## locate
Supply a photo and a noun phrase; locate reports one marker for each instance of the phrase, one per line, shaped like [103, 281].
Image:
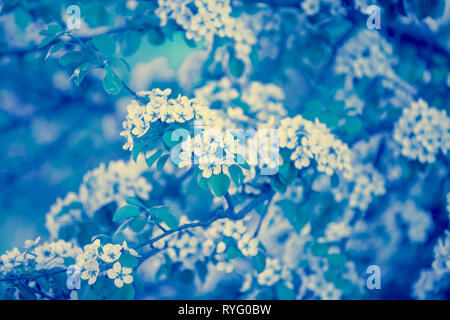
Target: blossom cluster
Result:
[436, 278]
[367, 54]
[422, 132]
[107, 183]
[205, 19]
[209, 18]
[265, 101]
[217, 91]
[98, 259]
[214, 153]
[163, 109]
[314, 141]
[35, 256]
[365, 184]
[418, 221]
[302, 268]
[214, 244]
[226, 247]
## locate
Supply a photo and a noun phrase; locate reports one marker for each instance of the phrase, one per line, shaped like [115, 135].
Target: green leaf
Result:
[22, 18]
[126, 292]
[261, 208]
[134, 201]
[102, 289]
[138, 223]
[277, 184]
[335, 180]
[264, 294]
[163, 214]
[237, 67]
[103, 216]
[259, 261]
[125, 63]
[167, 138]
[152, 159]
[80, 73]
[155, 36]
[97, 16]
[105, 44]
[162, 161]
[47, 40]
[138, 147]
[71, 57]
[203, 182]
[125, 213]
[54, 48]
[296, 215]
[112, 83]
[219, 184]
[128, 261]
[284, 293]
[319, 249]
[336, 260]
[337, 29]
[232, 252]
[287, 173]
[131, 43]
[353, 125]
[137, 281]
[52, 29]
[236, 174]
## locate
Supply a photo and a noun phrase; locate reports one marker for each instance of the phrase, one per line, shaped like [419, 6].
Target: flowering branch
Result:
[266, 194]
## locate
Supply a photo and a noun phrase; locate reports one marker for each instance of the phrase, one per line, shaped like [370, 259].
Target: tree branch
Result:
[218, 213]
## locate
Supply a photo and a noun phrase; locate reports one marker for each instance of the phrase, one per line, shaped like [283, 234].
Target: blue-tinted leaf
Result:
[259, 262]
[54, 48]
[284, 293]
[128, 261]
[22, 18]
[164, 214]
[237, 67]
[112, 83]
[236, 174]
[126, 292]
[162, 161]
[155, 36]
[105, 44]
[47, 40]
[52, 29]
[152, 159]
[219, 184]
[125, 213]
